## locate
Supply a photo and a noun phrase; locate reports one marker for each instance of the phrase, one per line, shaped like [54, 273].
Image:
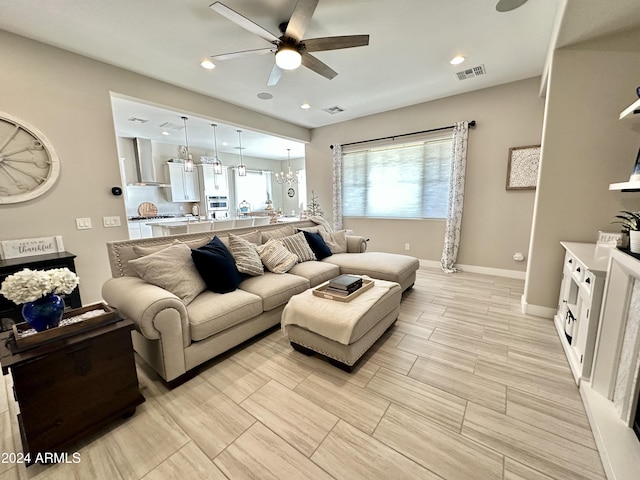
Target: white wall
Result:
[496, 222]
[67, 97]
[585, 148]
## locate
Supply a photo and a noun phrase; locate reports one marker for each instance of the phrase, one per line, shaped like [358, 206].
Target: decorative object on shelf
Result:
[28, 247]
[242, 168]
[289, 178]
[631, 224]
[612, 239]
[522, 169]
[635, 175]
[30, 165]
[244, 207]
[38, 290]
[314, 206]
[188, 159]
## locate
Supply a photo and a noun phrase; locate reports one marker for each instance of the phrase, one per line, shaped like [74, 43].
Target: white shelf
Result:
[625, 186]
[628, 114]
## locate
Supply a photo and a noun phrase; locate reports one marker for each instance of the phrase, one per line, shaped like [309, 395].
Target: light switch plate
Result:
[111, 221]
[83, 223]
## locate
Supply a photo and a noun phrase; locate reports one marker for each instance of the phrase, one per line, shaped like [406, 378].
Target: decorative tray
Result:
[322, 292]
[73, 321]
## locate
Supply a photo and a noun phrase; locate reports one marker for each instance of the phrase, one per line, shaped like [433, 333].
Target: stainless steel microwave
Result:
[215, 202]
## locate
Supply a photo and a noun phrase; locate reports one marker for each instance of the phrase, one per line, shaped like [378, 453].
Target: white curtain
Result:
[337, 187]
[456, 198]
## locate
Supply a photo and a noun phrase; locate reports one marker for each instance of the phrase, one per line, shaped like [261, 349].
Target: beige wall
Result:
[585, 148]
[66, 97]
[496, 223]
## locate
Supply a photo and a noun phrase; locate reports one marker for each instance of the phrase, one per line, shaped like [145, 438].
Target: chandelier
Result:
[188, 160]
[289, 178]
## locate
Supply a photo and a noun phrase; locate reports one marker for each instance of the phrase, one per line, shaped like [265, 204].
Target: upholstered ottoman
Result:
[341, 331]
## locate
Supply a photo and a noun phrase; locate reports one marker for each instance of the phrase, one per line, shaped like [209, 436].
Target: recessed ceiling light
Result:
[164, 132]
[305, 106]
[457, 60]
[265, 96]
[208, 64]
[225, 143]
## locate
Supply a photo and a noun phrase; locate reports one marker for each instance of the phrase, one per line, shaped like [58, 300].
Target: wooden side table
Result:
[71, 387]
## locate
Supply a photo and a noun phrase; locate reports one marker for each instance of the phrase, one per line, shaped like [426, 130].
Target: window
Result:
[254, 188]
[398, 181]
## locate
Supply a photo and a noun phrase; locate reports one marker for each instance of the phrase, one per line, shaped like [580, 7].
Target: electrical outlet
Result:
[83, 223]
[407, 246]
[111, 221]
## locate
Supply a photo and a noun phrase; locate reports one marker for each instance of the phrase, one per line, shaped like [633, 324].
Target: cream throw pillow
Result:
[298, 244]
[172, 269]
[336, 241]
[276, 257]
[246, 256]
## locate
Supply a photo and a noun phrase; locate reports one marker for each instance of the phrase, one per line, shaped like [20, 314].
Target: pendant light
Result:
[188, 161]
[242, 168]
[217, 164]
[289, 178]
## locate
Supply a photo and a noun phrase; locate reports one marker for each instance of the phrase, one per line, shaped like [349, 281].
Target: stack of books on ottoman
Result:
[344, 285]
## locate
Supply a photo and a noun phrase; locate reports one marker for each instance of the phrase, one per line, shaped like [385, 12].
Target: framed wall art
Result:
[522, 169]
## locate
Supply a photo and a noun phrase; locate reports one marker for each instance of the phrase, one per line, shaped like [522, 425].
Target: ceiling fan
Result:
[290, 49]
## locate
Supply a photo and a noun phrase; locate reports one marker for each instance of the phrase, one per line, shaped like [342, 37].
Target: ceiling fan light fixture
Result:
[288, 58]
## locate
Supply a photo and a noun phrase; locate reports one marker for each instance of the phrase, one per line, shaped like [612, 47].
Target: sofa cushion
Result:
[275, 289]
[216, 266]
[384, 266]
[317, 244]
[172, 269]
[276, 257]
[315, 272]
[211, 312]
[336, 241]
[254, 237]
[298, 245]
[277, 233]
[245, 255]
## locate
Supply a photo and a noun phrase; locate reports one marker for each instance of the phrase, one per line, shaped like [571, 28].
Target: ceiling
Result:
[406, 62]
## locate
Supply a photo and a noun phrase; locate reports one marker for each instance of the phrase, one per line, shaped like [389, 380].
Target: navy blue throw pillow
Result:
[317, 244]
[216, 266]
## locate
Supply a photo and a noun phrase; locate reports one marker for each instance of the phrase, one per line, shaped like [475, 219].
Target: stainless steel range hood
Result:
[145, 168]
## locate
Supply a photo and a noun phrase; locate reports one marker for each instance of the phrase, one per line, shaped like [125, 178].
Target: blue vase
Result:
[44, 313]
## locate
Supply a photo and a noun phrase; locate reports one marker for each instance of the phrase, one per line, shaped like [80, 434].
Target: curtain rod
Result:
[472, 124]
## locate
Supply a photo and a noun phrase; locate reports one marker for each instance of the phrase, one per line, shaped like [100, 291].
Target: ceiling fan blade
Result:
[335, 43]
[312, 63]
[300, 19]
[274, 76]
[243, 21]
[244, 53]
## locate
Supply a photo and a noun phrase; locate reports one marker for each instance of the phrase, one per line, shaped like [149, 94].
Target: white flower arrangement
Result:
[30, 285]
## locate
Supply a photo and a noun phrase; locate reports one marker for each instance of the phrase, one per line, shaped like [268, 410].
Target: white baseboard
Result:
[499, 272]
[537, 310]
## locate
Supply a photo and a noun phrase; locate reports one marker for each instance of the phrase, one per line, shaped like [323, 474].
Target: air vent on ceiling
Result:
[471, 72]
[333, 110]
[137, 120]
[172, 126]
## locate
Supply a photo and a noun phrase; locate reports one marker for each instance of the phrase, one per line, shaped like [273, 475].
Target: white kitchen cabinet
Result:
[185, 186]
[134, 230]
[583, 277]
[212, 184]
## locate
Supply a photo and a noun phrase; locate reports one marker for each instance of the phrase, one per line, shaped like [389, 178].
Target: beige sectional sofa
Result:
[174, 338]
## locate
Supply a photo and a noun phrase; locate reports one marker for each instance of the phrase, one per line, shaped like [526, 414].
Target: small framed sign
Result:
[27, 247]
[522, 169]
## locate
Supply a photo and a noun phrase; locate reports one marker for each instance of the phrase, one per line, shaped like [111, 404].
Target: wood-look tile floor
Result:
[462, 387]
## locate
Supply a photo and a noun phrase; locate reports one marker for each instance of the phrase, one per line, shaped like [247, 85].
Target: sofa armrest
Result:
[157, 313]
[356, 244]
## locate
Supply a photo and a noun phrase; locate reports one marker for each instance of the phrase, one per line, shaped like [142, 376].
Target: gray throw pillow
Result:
[298, 245]
[246, 256]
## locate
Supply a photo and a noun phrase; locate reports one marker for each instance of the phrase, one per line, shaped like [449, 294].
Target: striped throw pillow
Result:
[298, 245]
[276, 257]
[246, 256]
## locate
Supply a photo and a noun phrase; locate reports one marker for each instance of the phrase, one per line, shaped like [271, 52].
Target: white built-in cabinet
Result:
[185, 186]
[212, 184]
[583, 276]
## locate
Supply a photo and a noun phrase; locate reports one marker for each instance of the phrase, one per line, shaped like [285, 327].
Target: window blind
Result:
[398, 181]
